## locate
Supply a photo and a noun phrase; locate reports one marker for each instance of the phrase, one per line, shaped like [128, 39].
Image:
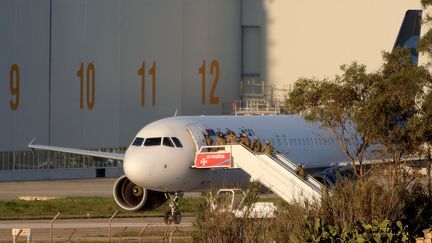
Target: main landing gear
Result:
[173, 215]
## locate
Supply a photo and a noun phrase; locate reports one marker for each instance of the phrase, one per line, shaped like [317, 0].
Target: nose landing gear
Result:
[173, 215]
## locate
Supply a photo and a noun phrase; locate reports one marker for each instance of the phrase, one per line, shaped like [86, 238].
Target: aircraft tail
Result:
[409, 33]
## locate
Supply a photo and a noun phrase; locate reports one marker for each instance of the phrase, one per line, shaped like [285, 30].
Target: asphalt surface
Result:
[61, 188]
[127, 229]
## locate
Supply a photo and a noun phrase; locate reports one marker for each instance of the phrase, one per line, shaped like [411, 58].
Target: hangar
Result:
[90, 73]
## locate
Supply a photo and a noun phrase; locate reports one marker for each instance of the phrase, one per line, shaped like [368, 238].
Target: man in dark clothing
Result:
[208, 140]
[232, 138]
[256, 145]
[267, 148]
[244, 139]
[220, 140]
[300, 171]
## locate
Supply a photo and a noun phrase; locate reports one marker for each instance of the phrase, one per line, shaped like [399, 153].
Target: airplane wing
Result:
[92, 153]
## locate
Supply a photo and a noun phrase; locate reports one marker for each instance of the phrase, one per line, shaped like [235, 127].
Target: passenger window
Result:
[211, 132]
[152, 142]
[177, 142]
[138, 141]
[167, 142]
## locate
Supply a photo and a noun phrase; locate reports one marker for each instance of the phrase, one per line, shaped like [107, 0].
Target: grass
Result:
[82, 207]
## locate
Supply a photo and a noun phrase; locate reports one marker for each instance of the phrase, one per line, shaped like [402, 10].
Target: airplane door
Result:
[197, 134]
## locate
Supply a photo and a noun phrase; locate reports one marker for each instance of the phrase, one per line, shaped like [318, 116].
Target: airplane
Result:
[158, 163]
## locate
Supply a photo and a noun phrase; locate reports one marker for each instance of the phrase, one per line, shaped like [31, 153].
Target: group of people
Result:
[231, 138]
[255, 146]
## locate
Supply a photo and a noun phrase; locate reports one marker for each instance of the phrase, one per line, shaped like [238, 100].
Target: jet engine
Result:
[132, 197]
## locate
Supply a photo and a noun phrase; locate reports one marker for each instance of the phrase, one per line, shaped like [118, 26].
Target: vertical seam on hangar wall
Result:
[119, 69]
[49, 71]
[180, 106]
[241, 49]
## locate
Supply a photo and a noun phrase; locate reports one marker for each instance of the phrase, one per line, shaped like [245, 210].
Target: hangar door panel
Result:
[211, 55]
[251, 50]
[24, 48]
[85, 76]
[150, 63]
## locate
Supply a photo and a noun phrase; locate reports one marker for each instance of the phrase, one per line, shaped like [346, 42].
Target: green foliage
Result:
[338, 105]
[353, 202]
[79, 207]
[425, 42]
[418, 210]
[394, 103]
[372, 212]
[362, 108]
[222, 226]
[375, 232]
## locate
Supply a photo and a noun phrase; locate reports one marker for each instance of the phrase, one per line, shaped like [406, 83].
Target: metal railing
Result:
[39, 159]
[256, 107]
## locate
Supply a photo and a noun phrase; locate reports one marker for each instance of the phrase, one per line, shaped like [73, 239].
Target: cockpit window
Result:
[177, 142]
[138, 141]
[167, 142]
[152, 142]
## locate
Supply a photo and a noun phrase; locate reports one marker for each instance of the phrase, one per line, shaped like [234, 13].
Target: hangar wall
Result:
[24, 72]
[91, 73]
[313, 38]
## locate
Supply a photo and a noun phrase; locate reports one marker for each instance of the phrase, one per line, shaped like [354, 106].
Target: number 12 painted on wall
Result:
[214, 70]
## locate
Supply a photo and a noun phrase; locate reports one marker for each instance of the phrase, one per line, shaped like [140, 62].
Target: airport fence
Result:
[146, 233]
[38, 159]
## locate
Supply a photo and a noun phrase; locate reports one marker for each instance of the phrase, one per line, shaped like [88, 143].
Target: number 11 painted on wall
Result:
[152, 73]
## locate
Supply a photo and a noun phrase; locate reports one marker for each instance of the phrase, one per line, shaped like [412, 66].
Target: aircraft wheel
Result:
[177, 218]
[167, 217]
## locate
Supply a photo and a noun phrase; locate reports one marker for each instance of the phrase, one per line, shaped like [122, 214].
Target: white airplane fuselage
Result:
[168, 168]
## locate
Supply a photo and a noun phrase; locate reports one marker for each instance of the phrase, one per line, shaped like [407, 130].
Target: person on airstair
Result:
[231, 137]
[256, 145]
[220, 140]
[300, 171]
[267, 148]
[208, 141]
[244, 139]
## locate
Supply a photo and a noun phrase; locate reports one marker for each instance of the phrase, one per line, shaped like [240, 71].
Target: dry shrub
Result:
[362, 202]
[223, 226]
[348, 209]
[212, 226]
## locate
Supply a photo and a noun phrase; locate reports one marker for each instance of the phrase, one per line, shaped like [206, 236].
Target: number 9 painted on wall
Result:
[14, 86]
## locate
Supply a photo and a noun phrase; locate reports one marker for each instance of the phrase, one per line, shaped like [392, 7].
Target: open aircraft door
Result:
[197, 134]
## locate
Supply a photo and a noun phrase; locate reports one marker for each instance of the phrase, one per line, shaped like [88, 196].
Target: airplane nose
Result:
[135, 168]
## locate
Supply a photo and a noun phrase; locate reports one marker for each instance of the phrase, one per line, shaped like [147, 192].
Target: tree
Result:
[337, 105]
[423, 122]
[425, 42]
[361, 108]
[395, 105]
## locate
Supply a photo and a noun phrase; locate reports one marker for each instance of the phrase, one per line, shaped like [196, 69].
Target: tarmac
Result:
[57, 188]
[98, 230]
[83, 230]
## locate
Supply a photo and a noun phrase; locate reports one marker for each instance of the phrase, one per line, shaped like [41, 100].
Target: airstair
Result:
[276, 173]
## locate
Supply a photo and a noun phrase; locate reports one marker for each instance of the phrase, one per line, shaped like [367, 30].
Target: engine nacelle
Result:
[132, 197]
